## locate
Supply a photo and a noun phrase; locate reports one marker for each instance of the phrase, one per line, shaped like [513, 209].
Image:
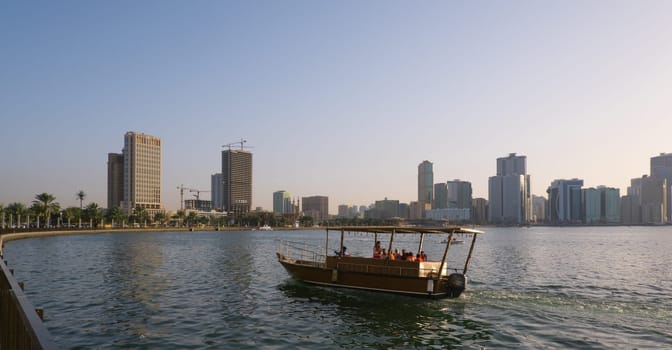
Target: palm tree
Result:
[2, 215]
[191, 218]
[93, 213]
[80, 195]
[140, 214]
[116, 215]
[16, 210]
[44, 205]
[72, 214]
[181, 215]
[160, 217]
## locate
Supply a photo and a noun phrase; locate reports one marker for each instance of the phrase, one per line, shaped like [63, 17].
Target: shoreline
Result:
[14, 236]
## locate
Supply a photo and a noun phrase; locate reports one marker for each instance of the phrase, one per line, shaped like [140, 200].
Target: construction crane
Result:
[198, 193]
[241, 142]
[182, 188]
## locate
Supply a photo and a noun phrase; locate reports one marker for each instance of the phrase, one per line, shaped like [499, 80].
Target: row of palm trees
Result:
[45, 212]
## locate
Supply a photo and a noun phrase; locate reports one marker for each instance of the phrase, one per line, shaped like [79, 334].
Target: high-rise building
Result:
[142, 173]
[539, 209]
[282, 202]
[510, 200]
[316, 207]
[415, 210]
[197, 204]
[449, 215]
[590, 198]
[237, 181]
[440, 196]
[217, 191]
[343, 211]
[362, 210]
[115, 180]
[610, 205]
[512, 165]
[425, 183]
[661, 167]
[459, 194]
[479, 208]
[404, 211]
[387, 208]
[630, 210]
[653, 200]
[564, 201]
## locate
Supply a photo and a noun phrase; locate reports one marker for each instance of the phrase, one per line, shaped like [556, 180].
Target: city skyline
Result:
[345, 111]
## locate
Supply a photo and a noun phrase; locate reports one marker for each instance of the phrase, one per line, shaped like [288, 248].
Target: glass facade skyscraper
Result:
[425, 183]
[510, 199]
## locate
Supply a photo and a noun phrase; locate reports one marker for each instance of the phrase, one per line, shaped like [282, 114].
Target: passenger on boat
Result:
[397, 255]
[383, 254]
[345, 252]
[377, 252]
[391, 256]
[410, 257]
[423, 255]
[419, 258]
[403, 254]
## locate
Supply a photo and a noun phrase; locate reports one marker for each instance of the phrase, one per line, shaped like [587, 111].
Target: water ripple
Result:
[529, 288]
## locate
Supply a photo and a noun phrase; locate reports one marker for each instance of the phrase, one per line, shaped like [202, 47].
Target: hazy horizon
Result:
[342, 99]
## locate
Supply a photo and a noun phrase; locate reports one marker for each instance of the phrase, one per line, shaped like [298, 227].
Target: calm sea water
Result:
[530, 288]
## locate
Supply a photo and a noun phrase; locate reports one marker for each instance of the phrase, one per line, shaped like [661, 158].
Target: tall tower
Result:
[564, 201]
[661, 167]
[115, 180]
[237, 180]
[459, 194]
[142, 173]
[510, 200]
[217, 191]
[282, 202]
[425, 184]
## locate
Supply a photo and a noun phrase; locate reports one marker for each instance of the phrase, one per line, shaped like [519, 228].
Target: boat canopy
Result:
[404, 229]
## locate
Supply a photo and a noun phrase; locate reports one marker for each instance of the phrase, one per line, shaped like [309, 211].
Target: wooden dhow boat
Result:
[432, 279]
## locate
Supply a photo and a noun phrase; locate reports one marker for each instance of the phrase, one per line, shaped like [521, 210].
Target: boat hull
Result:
[427, 287]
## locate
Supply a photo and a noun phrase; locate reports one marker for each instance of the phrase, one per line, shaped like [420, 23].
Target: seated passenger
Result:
[410, 257]
[377, 252]
[344, 253]
[424, 256]
[391, 256]
[419, 258]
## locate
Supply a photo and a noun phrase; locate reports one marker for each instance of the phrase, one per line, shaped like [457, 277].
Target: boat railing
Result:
[398, 268]
[302, 253]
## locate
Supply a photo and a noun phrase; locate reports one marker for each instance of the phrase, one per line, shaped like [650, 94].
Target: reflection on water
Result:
[387, 321]
[135, 275]
[593, 288]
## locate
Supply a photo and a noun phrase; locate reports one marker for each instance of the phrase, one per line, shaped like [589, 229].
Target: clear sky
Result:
[338, 98]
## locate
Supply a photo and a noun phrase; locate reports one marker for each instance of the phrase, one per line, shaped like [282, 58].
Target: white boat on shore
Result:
[265, 228]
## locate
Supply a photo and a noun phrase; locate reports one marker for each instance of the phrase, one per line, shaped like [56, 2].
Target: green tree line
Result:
[46, 212]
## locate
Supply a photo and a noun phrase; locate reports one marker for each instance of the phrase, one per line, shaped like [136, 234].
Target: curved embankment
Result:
[37, 234]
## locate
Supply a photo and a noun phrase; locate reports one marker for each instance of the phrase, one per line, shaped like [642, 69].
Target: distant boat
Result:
[431, 278]
[265, 228]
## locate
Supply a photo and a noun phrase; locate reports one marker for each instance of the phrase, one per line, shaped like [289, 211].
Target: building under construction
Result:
[237, 181]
